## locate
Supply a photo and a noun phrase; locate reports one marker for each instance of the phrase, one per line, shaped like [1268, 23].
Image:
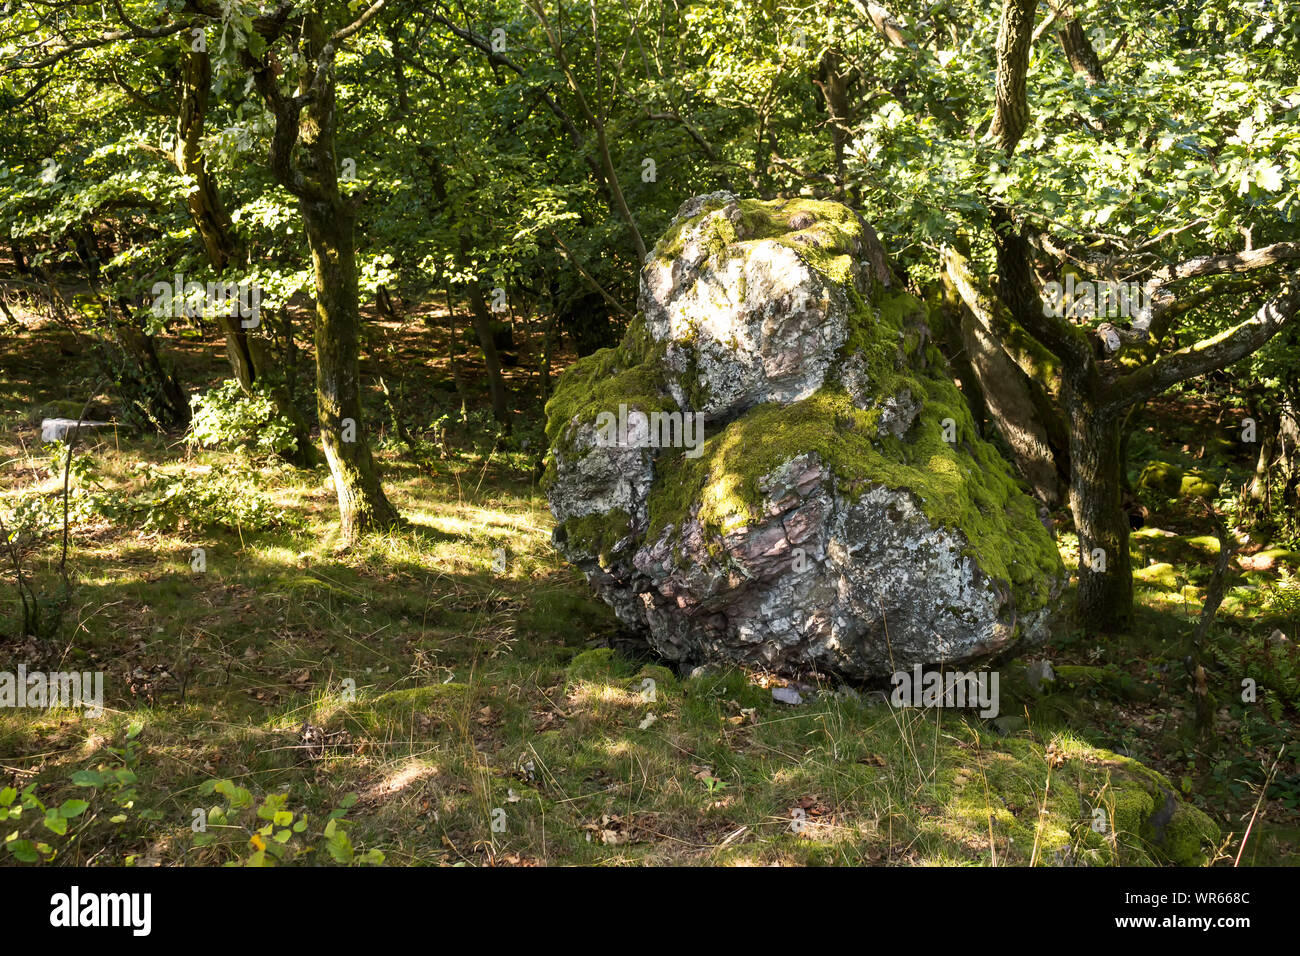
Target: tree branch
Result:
[1229, 262]
[1209, 354]
[884, 23]
[358, 23]
[1011, 110]
[602, 142]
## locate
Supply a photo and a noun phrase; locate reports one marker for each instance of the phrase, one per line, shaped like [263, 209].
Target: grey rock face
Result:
[825, 525]
[57, 429]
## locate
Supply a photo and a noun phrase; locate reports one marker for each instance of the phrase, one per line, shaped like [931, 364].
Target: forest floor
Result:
[449, 691]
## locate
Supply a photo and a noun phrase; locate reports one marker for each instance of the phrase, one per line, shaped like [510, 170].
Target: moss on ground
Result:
[1159, 575]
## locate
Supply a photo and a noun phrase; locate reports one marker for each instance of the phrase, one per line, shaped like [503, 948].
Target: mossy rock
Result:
[1269, 559]
[1101, 809]
[840, 474]
[1204, 544]
[1198, 486]
[1161, 476]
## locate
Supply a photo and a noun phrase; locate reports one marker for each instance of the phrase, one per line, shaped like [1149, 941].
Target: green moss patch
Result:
[1161, 476]
[597, 534]
[1198, 486]
[1159, 575]
[629, 373]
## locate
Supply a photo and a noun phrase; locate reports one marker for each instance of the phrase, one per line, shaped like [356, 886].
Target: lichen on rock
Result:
[842, 513]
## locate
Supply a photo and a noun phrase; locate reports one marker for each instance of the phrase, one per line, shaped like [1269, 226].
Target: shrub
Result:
[228, 417]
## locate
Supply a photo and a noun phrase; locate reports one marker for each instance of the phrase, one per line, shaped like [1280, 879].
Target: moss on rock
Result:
[1198, 486]
[1099, 808]
[886, 413]
[597, 534]
[627, 373]
[1161, 476]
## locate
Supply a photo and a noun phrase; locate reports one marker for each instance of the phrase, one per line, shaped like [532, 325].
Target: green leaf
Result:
[24, 850]
[88, 778]
[72, 808]
[55, 823]
[340, 847]
[1269, 177]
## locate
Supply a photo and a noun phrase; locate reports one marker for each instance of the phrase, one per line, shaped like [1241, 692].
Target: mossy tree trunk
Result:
[362, 502]
[305, 129]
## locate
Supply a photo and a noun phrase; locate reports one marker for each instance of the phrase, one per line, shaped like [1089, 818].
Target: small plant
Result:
[273, 833]
[117, 785]
[13, 806]
[220, 498]
[229, 417]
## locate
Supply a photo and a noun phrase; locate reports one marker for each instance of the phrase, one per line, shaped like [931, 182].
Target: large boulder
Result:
[774, 467]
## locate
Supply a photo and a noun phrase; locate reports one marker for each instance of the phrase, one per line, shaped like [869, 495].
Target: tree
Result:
[305, 124]
[1024, 208]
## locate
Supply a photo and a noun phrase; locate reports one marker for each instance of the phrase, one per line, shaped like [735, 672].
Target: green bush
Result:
[228, 417]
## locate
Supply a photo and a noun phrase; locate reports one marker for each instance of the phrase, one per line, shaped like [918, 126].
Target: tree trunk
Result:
[1009, 398]
[1105, 594]
[1268, 440]
[362, 503]
[834, 81]
[456, 378]
[330, 223]
[246, 354]
[480, 314]
[481, 317]
[1083, 58]
[20, 261]
[999, 358]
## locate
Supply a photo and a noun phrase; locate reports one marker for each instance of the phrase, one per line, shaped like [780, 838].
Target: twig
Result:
[1262, 790]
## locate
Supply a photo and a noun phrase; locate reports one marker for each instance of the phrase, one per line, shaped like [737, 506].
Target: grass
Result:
[460, 681]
